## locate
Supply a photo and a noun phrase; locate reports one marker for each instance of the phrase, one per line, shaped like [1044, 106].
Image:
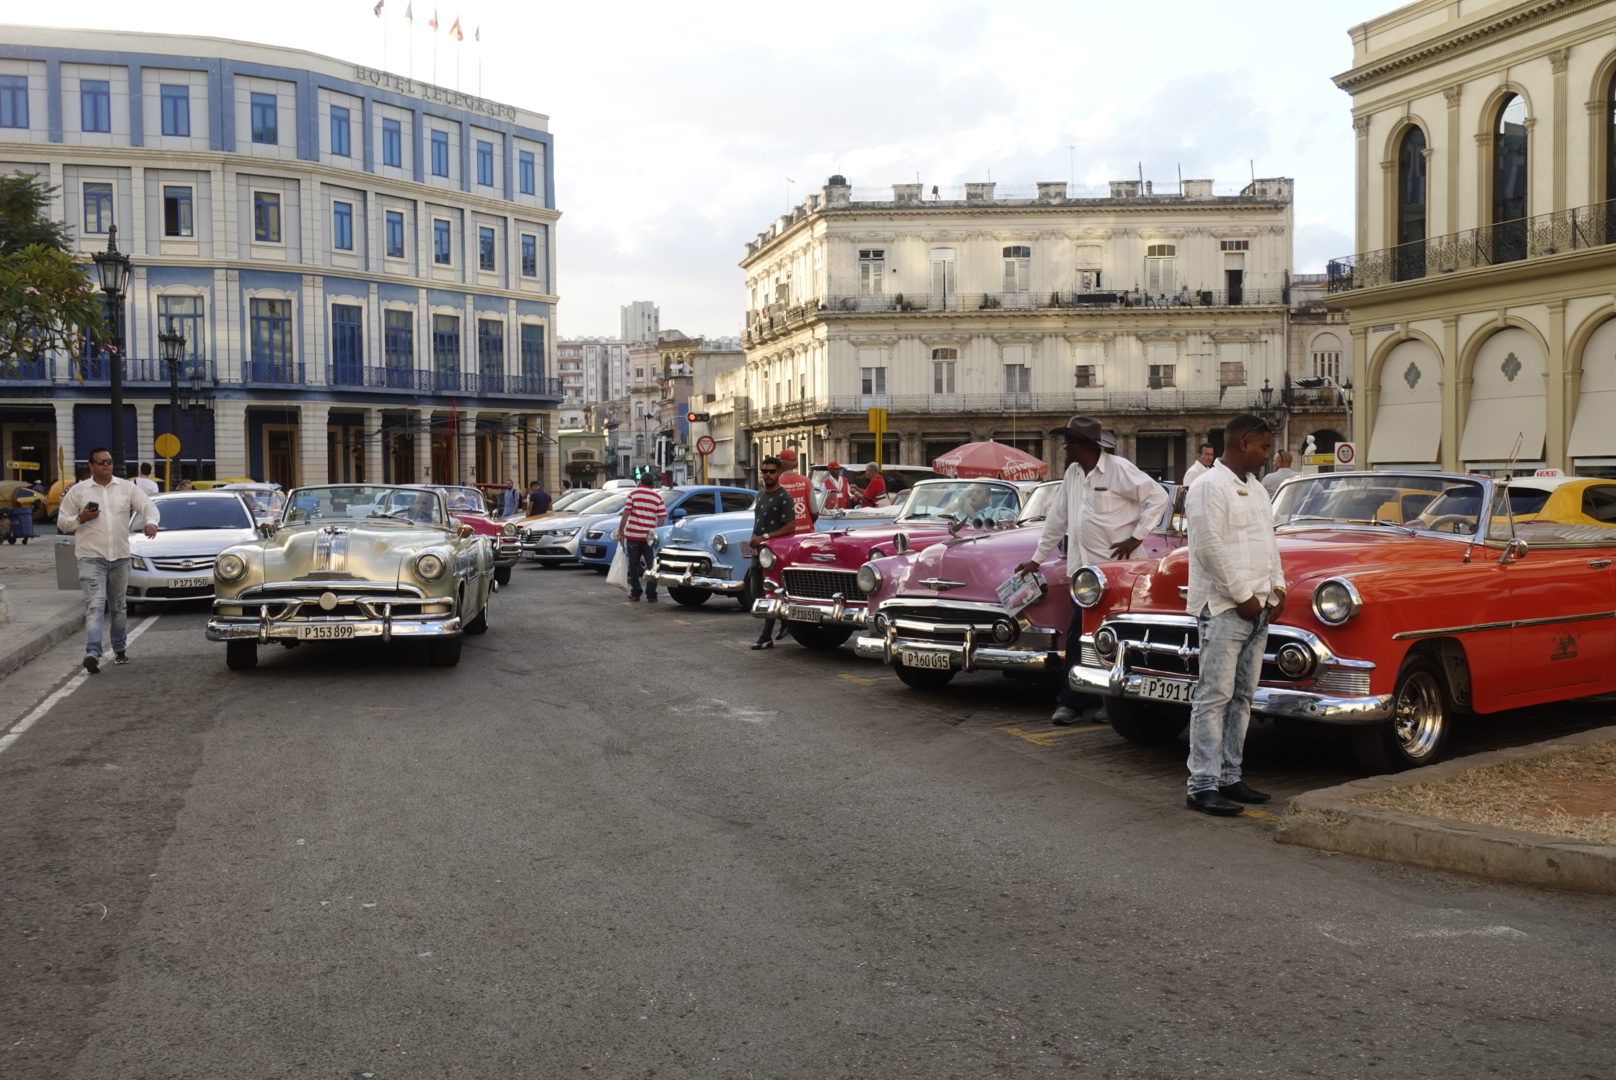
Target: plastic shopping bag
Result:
[618, 574]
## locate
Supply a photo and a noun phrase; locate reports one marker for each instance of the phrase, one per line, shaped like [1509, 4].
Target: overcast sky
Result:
[677, 125]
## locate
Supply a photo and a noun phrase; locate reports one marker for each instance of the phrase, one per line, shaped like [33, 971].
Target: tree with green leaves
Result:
[46, 301]
[25, 215]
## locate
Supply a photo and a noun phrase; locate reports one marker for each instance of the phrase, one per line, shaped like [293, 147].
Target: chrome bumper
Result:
[247, 628]
[690, 580]
[1269, 700]
[836, 612]
[507, 550]
[967, 656]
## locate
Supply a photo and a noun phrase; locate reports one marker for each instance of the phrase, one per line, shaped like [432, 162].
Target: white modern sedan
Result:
[194, 527]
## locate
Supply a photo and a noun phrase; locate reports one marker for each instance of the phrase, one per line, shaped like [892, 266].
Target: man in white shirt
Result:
[97, 512]
[144, 481]
[1237, 588]
[1281, 473]
[1105, 508]
[1204, 457]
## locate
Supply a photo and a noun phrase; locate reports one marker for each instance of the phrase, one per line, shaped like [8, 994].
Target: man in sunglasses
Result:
[97, 512]
[774, 516]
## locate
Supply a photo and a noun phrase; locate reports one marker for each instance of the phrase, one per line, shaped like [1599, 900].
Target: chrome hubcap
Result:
[1419, 720]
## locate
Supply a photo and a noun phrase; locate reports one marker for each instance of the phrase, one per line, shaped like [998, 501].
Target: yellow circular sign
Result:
[168, 446]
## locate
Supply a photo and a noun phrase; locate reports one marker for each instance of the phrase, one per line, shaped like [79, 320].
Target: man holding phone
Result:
[97, 512]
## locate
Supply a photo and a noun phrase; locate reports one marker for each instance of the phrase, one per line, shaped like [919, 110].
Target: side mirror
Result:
[900, 543]
[266, 529]
[1514, 551]
[464, 532]
[679, 513]
[137, 522]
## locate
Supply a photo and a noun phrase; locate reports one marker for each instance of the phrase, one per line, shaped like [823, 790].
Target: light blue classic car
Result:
[699, 556]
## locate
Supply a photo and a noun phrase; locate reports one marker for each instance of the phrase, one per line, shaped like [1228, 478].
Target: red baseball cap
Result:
[787, 455]
[834, 465]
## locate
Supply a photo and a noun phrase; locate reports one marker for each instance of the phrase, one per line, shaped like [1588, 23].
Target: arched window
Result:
[1411, 188]
[1509, 180]
[1610, 142]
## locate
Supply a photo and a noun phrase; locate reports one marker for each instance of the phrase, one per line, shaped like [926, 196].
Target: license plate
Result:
[593, 552]
[803, 613]
[324, 633]
[191, 582]
[1181, 693]
[936, 661]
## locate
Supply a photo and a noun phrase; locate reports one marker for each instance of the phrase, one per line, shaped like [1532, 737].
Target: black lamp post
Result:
[112, 266]
[172, 347]
[1267, 398]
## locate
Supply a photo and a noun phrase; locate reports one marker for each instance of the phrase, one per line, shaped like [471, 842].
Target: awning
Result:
[1502, 428]
[1407, 433]
[1593, 433]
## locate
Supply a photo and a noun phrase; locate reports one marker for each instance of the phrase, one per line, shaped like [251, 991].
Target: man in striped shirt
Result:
[643, 512]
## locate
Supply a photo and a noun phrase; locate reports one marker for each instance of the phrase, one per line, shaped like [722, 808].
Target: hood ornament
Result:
[823, 557]
[942, 584]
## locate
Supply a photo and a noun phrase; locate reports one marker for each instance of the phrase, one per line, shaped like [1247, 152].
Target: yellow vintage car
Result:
[349, 561]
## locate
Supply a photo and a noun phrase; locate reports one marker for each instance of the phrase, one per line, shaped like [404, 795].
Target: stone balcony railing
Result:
[1097, 400]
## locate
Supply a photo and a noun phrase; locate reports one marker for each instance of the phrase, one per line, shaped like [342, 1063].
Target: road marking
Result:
[65, 692]
[864, 680]
[1050, 738]
[682, 622]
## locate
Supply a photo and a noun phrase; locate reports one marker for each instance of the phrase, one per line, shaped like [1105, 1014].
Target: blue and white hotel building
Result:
[363, 264]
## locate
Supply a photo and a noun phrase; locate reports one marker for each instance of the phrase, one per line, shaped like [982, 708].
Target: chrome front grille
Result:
[184, 564]
[942, 622]
[1342, 683]
[805, 584]
[1171, 645]
[677, 562]
[1090, 658]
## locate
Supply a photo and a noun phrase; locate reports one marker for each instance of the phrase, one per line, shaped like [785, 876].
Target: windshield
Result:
[589, 498]
[463, 498]
[263, 500]
[1037, 508]
[349, 502]
[943, 500]
[180, 514]
[613, 503]
[1413, 500]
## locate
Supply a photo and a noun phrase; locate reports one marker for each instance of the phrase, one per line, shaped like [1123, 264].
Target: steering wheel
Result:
[1451, 521]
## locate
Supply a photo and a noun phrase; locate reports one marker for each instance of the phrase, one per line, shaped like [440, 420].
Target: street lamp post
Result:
[112, 266]
[172, 348]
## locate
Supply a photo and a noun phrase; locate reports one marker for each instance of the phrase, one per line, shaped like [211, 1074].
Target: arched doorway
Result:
[1408, 418]
[1505, 424]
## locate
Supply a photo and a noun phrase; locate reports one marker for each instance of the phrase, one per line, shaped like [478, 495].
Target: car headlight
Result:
[766, 558]
[1335, 601]
[1294, 660]
[230, 567]
[1005, 631]
[720, 544]
[1088, 585]
[136, 563]
[655, 540]
[868, 579]
[509, 529]
[429, 566]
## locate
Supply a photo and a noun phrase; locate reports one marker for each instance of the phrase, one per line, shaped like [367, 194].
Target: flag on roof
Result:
[433, 21]
[409, 14]
[378, 8]
[455, 32]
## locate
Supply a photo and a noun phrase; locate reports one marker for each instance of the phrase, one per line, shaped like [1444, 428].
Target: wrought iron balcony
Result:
[1092, 400]
[98, 369]
[272, 373]
[1491, 245]
[429, 381]
[42, 370]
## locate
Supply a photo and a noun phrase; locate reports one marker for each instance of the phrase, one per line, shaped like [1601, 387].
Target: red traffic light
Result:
[698, 417]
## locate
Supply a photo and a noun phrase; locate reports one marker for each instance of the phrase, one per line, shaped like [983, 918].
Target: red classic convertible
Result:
[1413, 598]
[467, 507]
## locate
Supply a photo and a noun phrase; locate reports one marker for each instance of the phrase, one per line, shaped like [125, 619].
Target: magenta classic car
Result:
[936, 611]
[810, 579]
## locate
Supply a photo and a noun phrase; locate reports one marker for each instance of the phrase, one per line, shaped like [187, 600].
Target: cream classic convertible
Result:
[351, 561]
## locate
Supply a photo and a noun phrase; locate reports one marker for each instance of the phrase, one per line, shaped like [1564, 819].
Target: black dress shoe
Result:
[1239, 792]
[766, 643]
[1210, 802]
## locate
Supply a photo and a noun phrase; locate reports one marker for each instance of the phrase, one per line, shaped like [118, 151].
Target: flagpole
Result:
[479, 61]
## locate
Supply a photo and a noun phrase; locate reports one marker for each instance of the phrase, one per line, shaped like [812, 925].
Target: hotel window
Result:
[872, 267]
[1327, 364]
[1163, 376]
[530, 255]
[342, 226]
[944, 363]
[1231, 373]
[177, 220]
[266, 217]
[13, 101]
[872, 380]
[485, 249]
[392, 143]
[182, 315]
[1017, 379]
[1234, 245]
[1017, 269]
[97, 208]
[398, 339]
[177, 111]
[95, 105]
[527, 181]
[485, 163]
[440, 153]
[442, 243]
[395, 234]
[347, 342]
[532, 350]
[490, 347]
[339, 131]
[271, 337]
[1160, 268]
[446, 343]
[1088, 375]
[264, 127]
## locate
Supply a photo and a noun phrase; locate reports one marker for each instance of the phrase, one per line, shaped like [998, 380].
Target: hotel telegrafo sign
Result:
[437, 94]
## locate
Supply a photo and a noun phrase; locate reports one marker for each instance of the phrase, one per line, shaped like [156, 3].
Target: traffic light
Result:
[698, 417]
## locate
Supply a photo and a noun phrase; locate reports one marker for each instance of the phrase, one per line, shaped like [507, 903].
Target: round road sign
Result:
[168, 446]
[706, 445]
[1346, 454]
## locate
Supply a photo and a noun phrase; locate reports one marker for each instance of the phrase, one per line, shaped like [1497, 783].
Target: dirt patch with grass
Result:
[1570, 794]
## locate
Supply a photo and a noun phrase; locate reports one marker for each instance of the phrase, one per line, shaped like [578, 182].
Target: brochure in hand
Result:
[1020, 591]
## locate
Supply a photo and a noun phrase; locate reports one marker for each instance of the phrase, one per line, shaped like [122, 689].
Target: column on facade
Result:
[466, 438]
[312, 446]
[145, 436]
[1558, 420]
[230, 438]
[66, 438]
[373, 444]
[1455, 394]
[421, 422]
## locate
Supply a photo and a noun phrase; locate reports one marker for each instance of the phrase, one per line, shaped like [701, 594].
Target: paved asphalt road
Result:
[616, 843]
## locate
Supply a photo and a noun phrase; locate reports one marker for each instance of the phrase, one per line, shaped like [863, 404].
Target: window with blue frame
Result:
[177, 219]
[544, 258]
[393, 143]
[97, 208]
[176, 111]
[485, 163]
[485, 249]
[267, 217]
[182, 315]
[526, 179]
[347, 345]
[265, 128]
[532, 351]
[440, 153]
[395, 234]
[442, 243]
[490, 348]
[271, 340]
[530, 255]
[95, 105]
[342, 226]
[398, 348]
[339, 132]
[446, 350]
[14, 101]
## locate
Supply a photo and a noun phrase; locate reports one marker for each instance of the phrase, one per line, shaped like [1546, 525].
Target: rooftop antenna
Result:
[1181, 178]
[789, 182]
[1072, 163]
[1253, 163]
[1141, 174]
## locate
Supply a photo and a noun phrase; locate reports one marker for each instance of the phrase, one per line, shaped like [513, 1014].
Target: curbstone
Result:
[1329, 820]
[14, 655]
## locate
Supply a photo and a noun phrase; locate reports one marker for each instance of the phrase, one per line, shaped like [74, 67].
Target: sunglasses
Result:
[768, 471]
[102, 461]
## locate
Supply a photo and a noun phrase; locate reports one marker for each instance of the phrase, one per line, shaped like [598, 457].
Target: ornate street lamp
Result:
[113, 268]
[171, 346]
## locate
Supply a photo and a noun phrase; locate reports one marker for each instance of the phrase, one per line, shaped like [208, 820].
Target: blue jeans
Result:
[105, 583]
[640, 563]
[1231, 664]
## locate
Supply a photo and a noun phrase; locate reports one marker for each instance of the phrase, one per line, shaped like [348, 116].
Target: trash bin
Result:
[22, 524]
[67, 564]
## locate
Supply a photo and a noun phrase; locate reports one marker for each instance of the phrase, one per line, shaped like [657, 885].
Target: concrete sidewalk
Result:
[37, 615]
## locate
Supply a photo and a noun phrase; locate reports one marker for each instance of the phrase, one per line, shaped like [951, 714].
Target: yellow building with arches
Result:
[1483, 292]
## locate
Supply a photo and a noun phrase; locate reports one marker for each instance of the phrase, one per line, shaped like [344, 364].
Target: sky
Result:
[682, 130]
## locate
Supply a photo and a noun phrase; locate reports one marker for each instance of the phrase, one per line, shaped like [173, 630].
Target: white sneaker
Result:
[1063, 716]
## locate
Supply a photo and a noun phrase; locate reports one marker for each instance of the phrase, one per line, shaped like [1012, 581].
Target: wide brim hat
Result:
[1088, 429]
